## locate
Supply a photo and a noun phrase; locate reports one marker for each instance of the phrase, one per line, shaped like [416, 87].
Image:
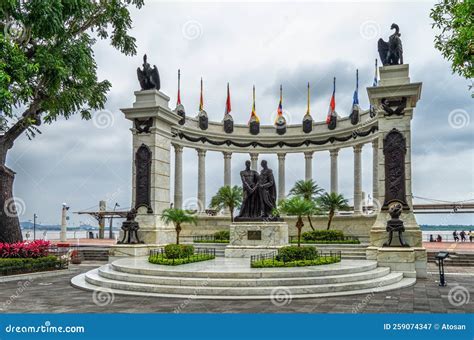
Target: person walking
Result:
[455, 236]
[463, 236]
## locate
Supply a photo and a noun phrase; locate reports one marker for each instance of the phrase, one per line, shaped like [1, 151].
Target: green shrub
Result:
[269, 263]
[223, 235]
[323, 235]
[328, 242]
[294, 253]
[27, 265]
[162, 259]
[178, 251]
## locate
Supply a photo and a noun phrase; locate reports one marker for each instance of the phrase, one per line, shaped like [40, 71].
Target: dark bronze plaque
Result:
[143, 178]
[254, 235]
[394, 149]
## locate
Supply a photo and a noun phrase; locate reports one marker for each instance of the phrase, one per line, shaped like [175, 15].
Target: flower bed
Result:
[26, 249]
[270, 263]
[177, 254]
[293, 256]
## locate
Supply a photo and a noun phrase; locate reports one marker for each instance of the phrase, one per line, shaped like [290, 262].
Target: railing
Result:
[336, 255]
[294, 239]
[208, 238]
[199, 253]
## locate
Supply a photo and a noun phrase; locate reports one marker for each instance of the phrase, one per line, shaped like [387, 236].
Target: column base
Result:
[412, 262]
[119, 251]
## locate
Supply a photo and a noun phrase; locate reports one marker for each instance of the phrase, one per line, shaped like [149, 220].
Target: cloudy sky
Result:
[267, 43]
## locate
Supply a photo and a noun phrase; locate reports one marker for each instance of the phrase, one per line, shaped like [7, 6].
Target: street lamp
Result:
[111, 219]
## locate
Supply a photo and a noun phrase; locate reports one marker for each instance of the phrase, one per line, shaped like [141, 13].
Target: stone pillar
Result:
[357, 179]
[254, 161]
[333, 153]
[178, 176]
[63, 232]
[201, 196]
[375, 176]
[281, 176]
[308, 165]
[227, 168]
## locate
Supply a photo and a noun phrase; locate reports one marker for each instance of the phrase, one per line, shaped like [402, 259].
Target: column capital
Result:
[201, 152]
[308, 154]
[358, 148]
[375, 143]
[334, 152]
[227, 154]
[253, 154]
[281, 156]
[177, 147]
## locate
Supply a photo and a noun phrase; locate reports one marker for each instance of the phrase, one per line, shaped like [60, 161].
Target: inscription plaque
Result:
[254, 235]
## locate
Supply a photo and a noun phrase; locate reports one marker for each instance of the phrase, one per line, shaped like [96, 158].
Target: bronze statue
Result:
[250, 208]
[267, 191]
[130, 229]
[149, 78]
[395, 225]
[391, 52]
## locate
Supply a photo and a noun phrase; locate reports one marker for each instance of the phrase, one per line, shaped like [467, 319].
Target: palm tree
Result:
[307, 189]
[178, 217]
[297, 206]
[227, 197]
[331, 202]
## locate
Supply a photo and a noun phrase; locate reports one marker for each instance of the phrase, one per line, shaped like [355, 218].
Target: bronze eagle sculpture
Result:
[391, 52]
[149, 78]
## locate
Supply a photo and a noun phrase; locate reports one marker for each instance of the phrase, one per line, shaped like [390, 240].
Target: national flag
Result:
[280, 106]
[201, 100]
[178, 102]
[376, 82]
[355, 98]
[227, 103]
[253, 115]
[332, 104]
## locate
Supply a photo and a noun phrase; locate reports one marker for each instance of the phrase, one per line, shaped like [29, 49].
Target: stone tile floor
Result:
[56, 295]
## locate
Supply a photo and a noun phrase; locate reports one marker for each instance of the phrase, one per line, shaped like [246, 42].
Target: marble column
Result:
[201, 196]
[227, 168]
[308, 168]
[357, 179]
[178, 176]
[334, 180]
[281, 176]
[254, 161]
[375, 171]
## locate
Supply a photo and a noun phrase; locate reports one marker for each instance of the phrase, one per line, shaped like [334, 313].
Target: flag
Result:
[280, 107]
[355, 98]
[332, 104]
[253, 115]
[178, 102]
[227, 103]
[201, 100]
[376, 82]
[307, 109]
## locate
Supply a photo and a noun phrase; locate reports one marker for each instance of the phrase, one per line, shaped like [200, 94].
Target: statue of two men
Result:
[259, 193]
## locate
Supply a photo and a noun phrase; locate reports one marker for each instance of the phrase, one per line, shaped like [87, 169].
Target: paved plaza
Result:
[54, 294]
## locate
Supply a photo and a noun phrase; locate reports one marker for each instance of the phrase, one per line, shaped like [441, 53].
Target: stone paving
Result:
[56, 295]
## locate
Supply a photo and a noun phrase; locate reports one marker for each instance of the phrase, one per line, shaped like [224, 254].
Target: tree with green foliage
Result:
[178, 217]
[309, 190]
[455, 20]
[299, 207]
[48, 71]
[330, 203]
[227, 197]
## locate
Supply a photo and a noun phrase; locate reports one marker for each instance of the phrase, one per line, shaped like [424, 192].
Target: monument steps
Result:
[217, 279]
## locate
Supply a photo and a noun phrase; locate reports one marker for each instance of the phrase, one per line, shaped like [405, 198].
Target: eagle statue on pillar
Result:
[149, 78]
[391, 52]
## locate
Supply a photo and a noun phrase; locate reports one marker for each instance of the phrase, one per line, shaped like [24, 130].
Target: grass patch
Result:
[328, 242]
[162, 259]
[270, 263]
[11, 266]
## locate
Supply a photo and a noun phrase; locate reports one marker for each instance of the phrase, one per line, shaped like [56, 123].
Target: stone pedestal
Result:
[411, 261]
[119, 251]
[253, 238]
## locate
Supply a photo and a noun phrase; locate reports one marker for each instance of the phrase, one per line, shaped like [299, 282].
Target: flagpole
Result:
[307, 110]
[179, 88]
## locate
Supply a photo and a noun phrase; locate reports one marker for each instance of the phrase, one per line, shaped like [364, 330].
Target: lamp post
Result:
[34, 226]
[111, 219]
[63, 233]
